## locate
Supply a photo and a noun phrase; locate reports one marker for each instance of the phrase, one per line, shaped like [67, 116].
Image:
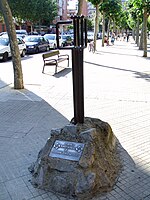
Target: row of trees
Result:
[35, 11]
[112, 14]
[138, 14]
[117, 17]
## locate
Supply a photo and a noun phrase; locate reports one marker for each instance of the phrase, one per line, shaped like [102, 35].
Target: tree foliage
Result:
[35, 10]
[139, 11]
[113, 10]
[96, 4]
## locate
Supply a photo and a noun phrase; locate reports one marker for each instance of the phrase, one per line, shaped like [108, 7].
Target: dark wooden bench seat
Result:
[53, 58]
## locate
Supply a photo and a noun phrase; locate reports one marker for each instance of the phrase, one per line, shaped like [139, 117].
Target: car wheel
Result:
[23, 53]
[54, 46]
[5, 56]
[37, 50]
[47, 48]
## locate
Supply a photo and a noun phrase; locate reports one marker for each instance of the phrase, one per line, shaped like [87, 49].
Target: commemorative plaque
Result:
[67, 150]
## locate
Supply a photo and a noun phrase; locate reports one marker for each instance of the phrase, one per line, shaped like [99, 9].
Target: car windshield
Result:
[64, 37]
[32, 39]
[90, 34]
[21, 32]
[4, 41]
[50, 37]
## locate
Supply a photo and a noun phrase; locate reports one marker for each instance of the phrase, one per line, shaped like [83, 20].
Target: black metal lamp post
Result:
[80, 42]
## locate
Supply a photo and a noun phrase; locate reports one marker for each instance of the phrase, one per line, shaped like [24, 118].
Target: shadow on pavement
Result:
[62, 72]
[145, 76]
[26, 120]
[3, 84]
[117, 53]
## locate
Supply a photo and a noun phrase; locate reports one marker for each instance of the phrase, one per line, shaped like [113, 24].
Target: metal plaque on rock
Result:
[67, 150]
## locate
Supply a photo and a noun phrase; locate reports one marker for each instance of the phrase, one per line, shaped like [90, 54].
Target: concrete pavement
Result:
[117, 90]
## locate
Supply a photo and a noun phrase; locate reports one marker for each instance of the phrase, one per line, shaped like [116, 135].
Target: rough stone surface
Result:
[95, 172]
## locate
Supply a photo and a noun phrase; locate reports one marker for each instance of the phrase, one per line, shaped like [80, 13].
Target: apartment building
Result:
[90, 10]
[67, 8]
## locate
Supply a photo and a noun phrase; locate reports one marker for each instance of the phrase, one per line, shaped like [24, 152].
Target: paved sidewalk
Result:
[117, 90]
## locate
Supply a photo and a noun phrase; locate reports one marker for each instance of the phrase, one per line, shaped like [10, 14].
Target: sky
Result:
[72, 4]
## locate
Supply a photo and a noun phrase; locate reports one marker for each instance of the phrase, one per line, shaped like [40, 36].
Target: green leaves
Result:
[95, 2]
[35, 10]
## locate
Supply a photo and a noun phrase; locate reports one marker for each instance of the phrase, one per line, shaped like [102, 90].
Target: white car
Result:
[90, 36]
[52, 40]
[5, 51]
[21, 33]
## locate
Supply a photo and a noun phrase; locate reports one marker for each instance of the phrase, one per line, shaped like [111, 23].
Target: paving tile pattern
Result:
[116, 80]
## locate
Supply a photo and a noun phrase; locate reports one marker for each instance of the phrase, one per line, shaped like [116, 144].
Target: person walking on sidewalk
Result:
[128, 37]
[106, 40]
[113, 38]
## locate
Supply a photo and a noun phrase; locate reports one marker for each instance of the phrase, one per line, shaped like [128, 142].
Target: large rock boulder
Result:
[95, 171]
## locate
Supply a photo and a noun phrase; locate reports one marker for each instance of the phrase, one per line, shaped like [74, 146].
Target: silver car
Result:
[52, 40]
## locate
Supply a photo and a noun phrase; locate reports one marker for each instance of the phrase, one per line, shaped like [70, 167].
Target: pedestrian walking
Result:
[113, 38]
[106, 40]
[124, 36]
[128, 35]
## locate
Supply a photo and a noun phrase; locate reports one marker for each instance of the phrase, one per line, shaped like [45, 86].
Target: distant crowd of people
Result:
[118, 37]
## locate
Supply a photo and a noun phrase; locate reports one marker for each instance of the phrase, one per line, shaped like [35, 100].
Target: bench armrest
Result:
[65, 55]
[50, 60]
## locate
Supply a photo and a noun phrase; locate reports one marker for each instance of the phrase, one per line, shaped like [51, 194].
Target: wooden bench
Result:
[53, 58]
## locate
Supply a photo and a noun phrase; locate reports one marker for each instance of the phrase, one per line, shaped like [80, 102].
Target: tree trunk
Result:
[103, 29]
[133, 34]
[141, 39]
[16, 59]
[137, 32]
[31, 28]
[108, 28]
[96, 26]
[80, 6]
[145, 32]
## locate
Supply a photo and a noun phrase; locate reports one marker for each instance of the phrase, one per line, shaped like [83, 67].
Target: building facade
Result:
[66, 8]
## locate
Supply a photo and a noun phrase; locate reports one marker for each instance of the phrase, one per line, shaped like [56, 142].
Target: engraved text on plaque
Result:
[67, 150]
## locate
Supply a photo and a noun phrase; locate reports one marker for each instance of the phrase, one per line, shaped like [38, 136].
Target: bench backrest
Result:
[50, 54]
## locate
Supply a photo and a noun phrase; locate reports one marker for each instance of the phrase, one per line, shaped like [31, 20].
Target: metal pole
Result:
[78, 31]
[78, 91]
[80, 42]
[82, 29]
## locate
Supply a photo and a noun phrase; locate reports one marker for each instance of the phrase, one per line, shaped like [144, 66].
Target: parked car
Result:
[33, 33]
[90, 36]
[5, 51]
[52, 40]
[67, 40]
[21, 33]
[36, 44]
